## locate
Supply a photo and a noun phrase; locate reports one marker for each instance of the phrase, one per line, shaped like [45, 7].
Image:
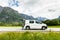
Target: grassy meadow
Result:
[10, 26]
[54, 26]
[29, 36]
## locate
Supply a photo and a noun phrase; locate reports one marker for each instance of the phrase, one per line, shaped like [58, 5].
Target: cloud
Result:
[40, 8]
[3, 3]
[36, 7]
[13, 3]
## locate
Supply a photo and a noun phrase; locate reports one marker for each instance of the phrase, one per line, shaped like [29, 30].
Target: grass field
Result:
[29, 36]
[54, 26]
[10, 26]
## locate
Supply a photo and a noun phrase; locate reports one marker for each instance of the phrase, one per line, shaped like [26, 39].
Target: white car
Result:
[34, 24]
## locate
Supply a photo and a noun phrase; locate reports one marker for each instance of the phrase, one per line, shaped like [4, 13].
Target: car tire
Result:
[43, 28]
[27, 27]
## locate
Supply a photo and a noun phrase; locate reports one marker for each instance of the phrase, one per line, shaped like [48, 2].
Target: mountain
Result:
[9, 15]
[1, 8]
[41, 18]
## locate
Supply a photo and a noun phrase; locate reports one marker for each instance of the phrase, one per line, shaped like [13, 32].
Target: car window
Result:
[31, 21]
[38, 22]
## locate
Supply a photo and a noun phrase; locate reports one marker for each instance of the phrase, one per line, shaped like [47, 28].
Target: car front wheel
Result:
[27, 27]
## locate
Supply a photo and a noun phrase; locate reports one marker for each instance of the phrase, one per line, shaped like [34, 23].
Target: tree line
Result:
[53, 22]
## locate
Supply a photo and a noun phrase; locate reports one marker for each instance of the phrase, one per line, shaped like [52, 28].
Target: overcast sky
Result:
[44, 8]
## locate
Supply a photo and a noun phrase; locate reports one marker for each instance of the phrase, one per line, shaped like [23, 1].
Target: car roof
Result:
[31, 20]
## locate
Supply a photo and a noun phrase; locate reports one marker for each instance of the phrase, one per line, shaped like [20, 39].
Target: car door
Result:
[38, 25]
[31, 23]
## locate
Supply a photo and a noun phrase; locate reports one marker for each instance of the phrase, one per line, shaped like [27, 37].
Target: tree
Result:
[52, 22]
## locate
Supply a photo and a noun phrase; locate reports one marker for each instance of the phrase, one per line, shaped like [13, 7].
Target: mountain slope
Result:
[1, 8]
[9, 15]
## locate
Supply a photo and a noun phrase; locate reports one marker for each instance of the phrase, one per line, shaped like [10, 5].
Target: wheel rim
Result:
[27, 28]
[43, 28]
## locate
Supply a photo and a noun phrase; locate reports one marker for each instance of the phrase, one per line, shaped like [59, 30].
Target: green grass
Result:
[54, 26]
[29, 36]
[10, 26]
